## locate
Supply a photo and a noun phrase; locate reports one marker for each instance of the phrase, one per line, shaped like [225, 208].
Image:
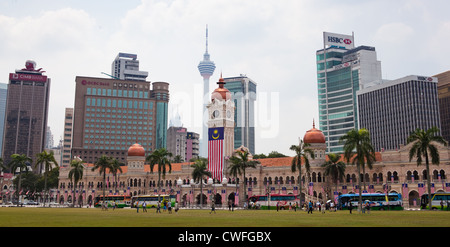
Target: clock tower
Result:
[220, 129]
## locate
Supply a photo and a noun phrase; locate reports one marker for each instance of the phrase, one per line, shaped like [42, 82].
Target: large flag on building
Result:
[215, 152]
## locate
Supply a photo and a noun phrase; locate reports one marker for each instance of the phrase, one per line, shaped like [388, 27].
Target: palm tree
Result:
[359, 150]
[46, 159]
[334, 168]
[301, 151]
[115, 168]
[239, 163]
[102, 164]
[423, 147]
[21, 162]
[76, 173]
[200, 170]
[160, 157]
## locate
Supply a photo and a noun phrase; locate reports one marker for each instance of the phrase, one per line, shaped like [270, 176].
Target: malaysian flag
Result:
[215, 152]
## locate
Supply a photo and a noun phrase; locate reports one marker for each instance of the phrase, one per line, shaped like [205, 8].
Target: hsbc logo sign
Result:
[338, 40]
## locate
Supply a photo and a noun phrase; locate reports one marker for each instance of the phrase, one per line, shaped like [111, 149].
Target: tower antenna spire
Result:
[206, 38]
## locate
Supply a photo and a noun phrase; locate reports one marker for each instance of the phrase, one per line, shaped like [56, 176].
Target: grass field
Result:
[93, 217]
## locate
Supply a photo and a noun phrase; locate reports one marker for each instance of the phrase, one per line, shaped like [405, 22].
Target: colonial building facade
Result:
[273, 175]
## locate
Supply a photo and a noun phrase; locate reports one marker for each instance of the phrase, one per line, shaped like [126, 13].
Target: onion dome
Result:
[136, 150]
[221, 93]
[314, 136]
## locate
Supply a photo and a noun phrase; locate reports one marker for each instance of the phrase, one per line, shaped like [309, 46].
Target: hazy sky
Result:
[272, 42]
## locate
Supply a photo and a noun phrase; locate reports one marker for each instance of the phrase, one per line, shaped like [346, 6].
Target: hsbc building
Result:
[342, 70]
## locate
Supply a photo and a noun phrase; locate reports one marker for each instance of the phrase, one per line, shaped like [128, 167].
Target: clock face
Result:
[228, 114]
[215, 114]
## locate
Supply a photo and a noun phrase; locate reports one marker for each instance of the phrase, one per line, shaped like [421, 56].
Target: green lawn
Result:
[93, 217]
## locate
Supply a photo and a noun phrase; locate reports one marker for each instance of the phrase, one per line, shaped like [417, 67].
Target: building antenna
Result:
[206, 38]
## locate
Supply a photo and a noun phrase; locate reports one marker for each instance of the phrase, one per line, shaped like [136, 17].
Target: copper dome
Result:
[221, 93]
[314, 136]
[136, 150]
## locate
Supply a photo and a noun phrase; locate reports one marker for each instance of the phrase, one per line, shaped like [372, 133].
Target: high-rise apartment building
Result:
[444, 103]
[26, 112]
[391, 111]
[111, 115]
[3, 95]
[67, 138]
[126, 67]
[206, 68]
[183, 143]
[342, 70]
[243, 91]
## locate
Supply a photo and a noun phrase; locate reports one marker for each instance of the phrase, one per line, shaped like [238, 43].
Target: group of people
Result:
[320, 206]
[166, 205]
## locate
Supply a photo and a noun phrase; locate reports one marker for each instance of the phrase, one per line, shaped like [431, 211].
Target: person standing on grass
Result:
[169, 207]
[350, 206]
[158, 207]
[213, 207]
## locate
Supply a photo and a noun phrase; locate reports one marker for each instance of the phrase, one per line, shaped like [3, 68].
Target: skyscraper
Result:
[243, 93]
[67, 138]
[394, 109]
[444, 103]
[3, 95]
[111, 115]
[206, 68]
[342, 70]
[126, 67]
[26, 112]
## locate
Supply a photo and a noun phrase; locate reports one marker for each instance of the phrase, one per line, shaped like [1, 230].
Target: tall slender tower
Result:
[206, 68]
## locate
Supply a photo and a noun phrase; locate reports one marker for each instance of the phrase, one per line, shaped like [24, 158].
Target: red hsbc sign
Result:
[27, 77]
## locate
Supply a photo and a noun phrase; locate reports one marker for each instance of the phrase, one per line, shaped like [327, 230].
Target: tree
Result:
[358, 149]
[301, 150]
[102, 165]
[76, 174]
[46, 159]
[239, 163]
[178, 159]
[200, 170]
[423, 147]
[160, 157]
[334, 168]
[21, 162]
[115, 168]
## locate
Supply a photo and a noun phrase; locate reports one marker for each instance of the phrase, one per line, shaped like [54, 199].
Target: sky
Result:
[273, 42]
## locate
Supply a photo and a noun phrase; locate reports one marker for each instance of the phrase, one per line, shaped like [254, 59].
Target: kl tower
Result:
[206, 68]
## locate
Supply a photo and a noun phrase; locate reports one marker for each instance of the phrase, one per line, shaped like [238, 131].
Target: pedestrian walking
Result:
[144, 207]
[310, 207]
[176, 207]
[213, 207]
[229, 205]
[350, 206]
[137, 206]
[169, 207]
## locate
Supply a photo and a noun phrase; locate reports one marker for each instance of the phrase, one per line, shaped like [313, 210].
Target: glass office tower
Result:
[243, 91]
[341, 72]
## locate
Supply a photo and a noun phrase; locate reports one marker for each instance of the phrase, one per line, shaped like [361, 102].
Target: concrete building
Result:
[183, 143]
[126, 67]
[444, 103]
[243, 94]
[342, 70]
[110, 115]
[26, 112]
[391, 111]
[67, 138]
